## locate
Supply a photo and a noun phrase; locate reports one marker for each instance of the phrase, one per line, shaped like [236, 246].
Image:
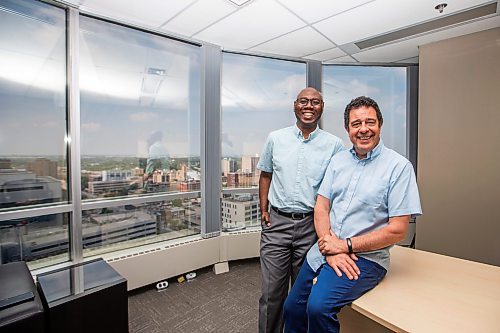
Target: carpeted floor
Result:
[210, 303]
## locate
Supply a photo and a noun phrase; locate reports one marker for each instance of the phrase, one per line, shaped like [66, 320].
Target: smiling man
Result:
[364, 204]
[292, 166]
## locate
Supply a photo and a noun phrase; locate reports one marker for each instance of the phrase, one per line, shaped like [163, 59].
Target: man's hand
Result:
[265, 219]
[344, 263]
[330, 245]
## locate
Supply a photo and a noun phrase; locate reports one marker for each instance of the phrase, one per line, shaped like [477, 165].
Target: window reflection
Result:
[33, 162]
[116, 228]
[257, 98]
[386, 85]
[140, 112]
[42, 240]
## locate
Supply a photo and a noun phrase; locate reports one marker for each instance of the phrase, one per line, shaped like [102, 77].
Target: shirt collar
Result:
[372, 154]
[299, 135]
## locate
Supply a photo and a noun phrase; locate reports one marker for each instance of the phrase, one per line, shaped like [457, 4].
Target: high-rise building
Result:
[249, 163]
[229, 165]
[43, 167]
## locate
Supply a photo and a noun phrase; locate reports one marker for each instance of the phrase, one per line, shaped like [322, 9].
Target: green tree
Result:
[177, 202]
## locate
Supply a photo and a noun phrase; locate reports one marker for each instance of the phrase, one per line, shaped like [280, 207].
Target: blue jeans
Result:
[314, 308]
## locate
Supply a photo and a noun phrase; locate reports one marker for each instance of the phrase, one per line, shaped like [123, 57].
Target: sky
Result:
[133, 83]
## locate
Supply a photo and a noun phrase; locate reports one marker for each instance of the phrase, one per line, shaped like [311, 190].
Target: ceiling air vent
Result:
[461, 17]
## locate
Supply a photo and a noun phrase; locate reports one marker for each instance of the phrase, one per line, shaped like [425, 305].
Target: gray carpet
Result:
[210, 303]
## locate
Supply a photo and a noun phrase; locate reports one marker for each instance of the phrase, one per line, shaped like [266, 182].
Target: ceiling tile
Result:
[382, 16]
[257, 22]
[151, 13]
[316, 10]
[341, 60]
[195, 18]
[276, 26]
[291, 44]
[326, 55]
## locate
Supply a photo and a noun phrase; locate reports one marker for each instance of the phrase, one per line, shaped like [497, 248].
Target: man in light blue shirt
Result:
[292, 166]
[364, 205]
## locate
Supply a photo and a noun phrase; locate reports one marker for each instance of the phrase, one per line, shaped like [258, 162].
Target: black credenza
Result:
[88, 297]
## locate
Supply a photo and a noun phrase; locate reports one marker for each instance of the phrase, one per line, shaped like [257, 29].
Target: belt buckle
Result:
[297, 216]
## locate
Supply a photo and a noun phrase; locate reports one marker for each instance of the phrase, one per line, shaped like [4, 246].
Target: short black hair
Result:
[360, 102]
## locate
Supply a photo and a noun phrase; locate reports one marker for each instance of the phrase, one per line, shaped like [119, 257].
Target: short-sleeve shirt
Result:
[297, 165]
[364, 194]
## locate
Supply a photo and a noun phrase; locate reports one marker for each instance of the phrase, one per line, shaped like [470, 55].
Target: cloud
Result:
[46, 124]
[263, 94]
[143, 116]
[226, 140]
[91, 127]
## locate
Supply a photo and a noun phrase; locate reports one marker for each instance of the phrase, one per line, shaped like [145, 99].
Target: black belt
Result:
[293, 216]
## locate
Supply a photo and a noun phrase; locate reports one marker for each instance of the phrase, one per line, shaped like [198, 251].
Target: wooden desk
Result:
[426, 292]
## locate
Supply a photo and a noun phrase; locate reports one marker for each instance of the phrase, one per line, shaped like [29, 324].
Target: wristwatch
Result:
[349, 245]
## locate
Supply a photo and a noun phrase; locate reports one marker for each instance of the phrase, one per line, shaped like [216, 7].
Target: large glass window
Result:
[140, 124]
[257, 98]
[33, 158]
[386, 85]
[33, 168]
[140, 112]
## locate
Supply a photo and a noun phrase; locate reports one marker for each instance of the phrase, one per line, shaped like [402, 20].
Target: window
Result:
[140, 112]
[257, 98]
[119, 227]
[33, 160]
[386, 85]
[140, 121]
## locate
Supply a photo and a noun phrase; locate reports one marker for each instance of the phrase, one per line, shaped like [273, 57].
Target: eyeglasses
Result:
[304, 101]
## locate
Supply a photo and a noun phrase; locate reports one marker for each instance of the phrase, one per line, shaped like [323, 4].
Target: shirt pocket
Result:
[373, 195]
[316, 169]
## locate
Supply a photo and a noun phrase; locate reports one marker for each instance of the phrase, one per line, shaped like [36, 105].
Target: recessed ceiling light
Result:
[239, 3]
[441, 7]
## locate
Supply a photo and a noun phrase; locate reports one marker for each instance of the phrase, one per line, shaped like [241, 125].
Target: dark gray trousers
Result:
[283, 247]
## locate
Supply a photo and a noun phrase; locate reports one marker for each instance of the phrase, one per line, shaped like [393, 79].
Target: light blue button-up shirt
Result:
[364, 193]
[297, 165]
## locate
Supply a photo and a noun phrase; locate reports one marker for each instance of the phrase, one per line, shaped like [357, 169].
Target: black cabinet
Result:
[21, 309]
[88, 297]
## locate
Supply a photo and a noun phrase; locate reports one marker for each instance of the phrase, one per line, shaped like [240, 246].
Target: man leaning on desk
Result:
[364, 205]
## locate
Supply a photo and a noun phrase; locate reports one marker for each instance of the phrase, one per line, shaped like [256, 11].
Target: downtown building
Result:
[240, 211]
